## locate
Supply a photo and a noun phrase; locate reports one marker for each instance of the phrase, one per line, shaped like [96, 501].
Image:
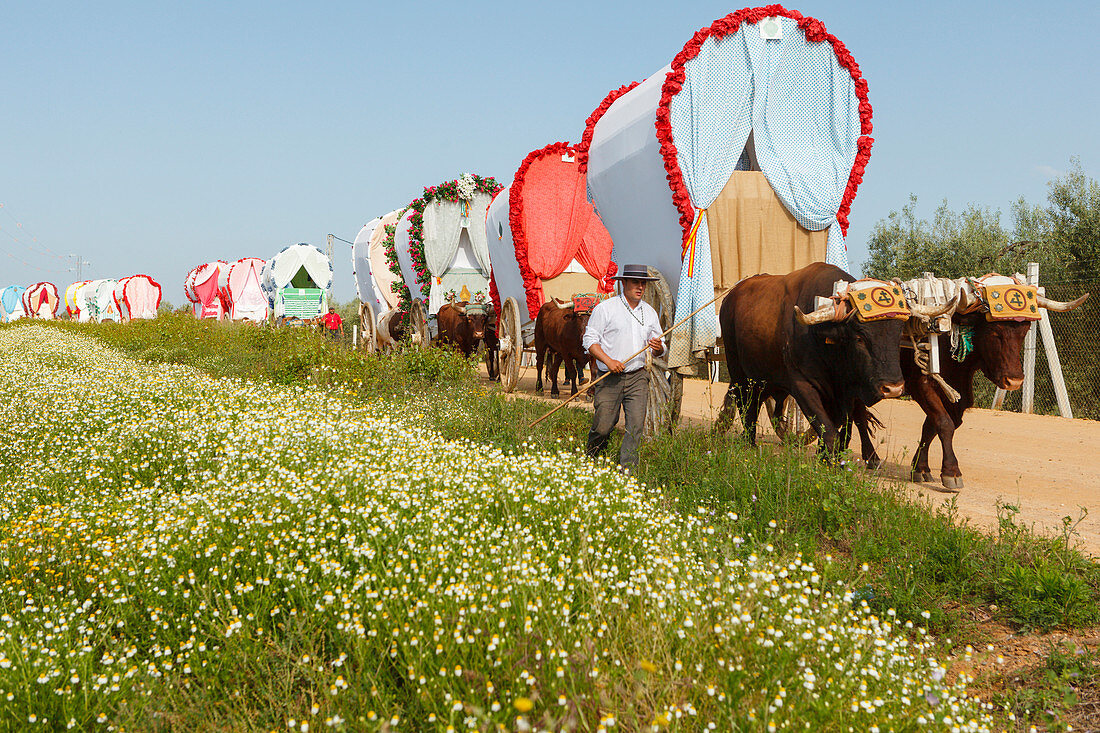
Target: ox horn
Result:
[935, 311]
[563, 306]
[460, 308]
[824, 314]
[1058, 306]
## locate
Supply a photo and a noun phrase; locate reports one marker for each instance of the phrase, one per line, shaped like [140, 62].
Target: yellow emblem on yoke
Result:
[1012, 302]
[464, 296]
[878, 302]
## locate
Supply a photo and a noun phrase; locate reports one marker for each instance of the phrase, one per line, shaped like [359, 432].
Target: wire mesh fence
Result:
[1077, 340]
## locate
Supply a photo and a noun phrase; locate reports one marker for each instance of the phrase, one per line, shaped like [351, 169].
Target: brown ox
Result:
[467, 326]
[996, 351]
[830, 361]
[559, 331]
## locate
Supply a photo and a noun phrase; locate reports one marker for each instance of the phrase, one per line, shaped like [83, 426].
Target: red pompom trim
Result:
[590, 123]
[674, 82]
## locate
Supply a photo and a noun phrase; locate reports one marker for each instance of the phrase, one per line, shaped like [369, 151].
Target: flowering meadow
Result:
[186, 552]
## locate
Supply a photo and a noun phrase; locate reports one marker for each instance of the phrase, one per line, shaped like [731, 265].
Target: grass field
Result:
[378, 539]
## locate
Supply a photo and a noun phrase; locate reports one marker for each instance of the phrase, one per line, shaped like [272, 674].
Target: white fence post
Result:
[1054, 364]
[1028, 400]
[354, 335]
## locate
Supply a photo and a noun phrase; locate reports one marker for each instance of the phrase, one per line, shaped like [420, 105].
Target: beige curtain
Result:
[752, 233]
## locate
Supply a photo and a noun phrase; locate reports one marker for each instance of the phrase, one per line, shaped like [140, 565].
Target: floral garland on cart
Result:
[460, 189]
[389, 246]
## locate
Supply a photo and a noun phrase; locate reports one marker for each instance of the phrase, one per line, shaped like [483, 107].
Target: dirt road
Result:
[1048, 467]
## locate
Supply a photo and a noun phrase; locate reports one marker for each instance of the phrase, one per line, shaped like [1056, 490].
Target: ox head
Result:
[996, 312]
[859, 331]
[479, 317]
[579, 309]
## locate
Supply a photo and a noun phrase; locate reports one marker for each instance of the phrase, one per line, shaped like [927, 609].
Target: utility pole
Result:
[331, 252]
[78, 266]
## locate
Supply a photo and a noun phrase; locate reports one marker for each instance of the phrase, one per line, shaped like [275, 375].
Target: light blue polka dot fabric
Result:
[803, 108]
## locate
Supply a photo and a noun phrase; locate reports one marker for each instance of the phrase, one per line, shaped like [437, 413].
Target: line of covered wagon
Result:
[742, 156]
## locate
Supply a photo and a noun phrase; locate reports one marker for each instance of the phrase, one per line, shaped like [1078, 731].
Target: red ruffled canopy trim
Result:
[815, 31]
[519, 235]
[160, 293]
[590, 123]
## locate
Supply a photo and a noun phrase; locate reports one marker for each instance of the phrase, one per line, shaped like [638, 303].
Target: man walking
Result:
[333, 324]
[620, 326]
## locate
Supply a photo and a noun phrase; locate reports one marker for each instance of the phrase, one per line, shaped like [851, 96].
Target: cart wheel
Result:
[418, 324]
[368, 341]
[789, 422]
[511, 344]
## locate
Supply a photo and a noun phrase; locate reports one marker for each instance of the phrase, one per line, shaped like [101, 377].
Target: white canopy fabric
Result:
[444, 222]
[365, 287]
[137, 297]
[628, 185]
[102, 301]
[507, 280]
[240, 287]
[404, 257]
[70, 298]
[83, 296]
[285, 266]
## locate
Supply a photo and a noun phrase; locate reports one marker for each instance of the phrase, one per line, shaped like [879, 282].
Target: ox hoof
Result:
[873, 462]
[955, 483]
[921, 476]
[590, 397]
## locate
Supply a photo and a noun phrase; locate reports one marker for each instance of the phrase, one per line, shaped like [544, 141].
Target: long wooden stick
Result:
[608, 373]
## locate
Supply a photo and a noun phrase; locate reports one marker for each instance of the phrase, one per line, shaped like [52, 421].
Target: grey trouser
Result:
[631, 392]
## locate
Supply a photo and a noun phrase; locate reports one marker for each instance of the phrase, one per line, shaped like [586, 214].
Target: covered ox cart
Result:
[137, 297]
[76, 301]
[41, 300]
[200, 287]
[741, 157]
[440, 242]
[296, 282]
[11, 303]
[99, 296]
[546, 242]
[239, 288]
[385, 307]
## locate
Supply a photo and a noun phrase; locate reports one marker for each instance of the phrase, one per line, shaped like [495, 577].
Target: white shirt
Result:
[620, 331]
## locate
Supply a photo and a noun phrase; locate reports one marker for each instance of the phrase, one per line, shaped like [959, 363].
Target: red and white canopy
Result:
[239, 286]
[41, 300]
[137, 296]
[556, 235]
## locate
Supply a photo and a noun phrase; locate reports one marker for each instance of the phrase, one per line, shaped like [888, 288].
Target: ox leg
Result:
[571, 374]
[950, 473]
[939, 421]
[540, 357]
[865, 424]
[920, 470]
[828, 434]
[745, 397]
[555, 362]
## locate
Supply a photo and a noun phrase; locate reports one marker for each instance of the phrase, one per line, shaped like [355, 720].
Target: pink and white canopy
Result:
[137, 296]
[200, 287]
[239, 286]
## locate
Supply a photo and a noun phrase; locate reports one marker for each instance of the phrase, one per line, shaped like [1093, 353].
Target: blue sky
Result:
[150, 137]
